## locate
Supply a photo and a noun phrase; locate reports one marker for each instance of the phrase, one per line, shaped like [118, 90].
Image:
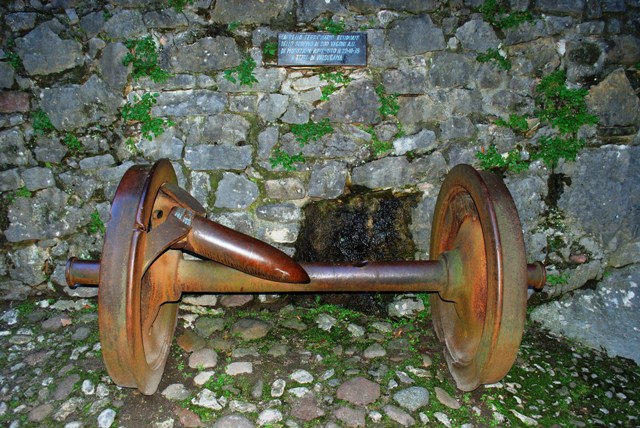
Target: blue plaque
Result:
[320, 49]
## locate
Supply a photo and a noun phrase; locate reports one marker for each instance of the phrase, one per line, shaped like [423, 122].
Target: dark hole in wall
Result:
[370, 226]
[556, 183]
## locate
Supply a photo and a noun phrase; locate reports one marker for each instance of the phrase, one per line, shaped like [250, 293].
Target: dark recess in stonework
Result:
[357, 227]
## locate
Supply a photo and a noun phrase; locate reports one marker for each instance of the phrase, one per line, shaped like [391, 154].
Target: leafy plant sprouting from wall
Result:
[304, 133]
[143, 54]
[562, 108]
[335, 80]
[139, 111]
[243, 73]
[498, 15]
[494, 55]
[331, 26]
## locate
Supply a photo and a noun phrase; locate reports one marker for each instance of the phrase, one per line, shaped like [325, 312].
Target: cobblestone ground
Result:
[287, 365]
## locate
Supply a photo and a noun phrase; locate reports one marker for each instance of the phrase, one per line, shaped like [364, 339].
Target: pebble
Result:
[242, 406]
[277, 387]
[233, 421]
[398, 415]
[203, 359]
[106, 418]
[325, 322]
[176, 392]
[412, 398]
[359, 391]
[235, 300]
[88, 388]
[269, 416]
[206, 398]
[528, 421]
[301, 376]
[374, 351]
[356, 330]
[203, 377]
[56, 323]
[443, 418]
[446, 399]
[250, 329]
[300, 391]
[240, 367]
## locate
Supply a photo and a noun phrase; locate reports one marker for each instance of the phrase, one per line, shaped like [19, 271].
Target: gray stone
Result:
[380, 53]
[163, 146]
[189, 103]
[285, 189]
[236, 192]
[80, 183]
[92, 23]
[233, 421]
[50, 150]
[412, 6]
[235, 300]
[38, 178]
[301, 376]
[65, 386]
[272, 106]
[398, 171]
[226, 128]
[446, 399]
[296, 114]
[125, 24]
[436, 106]
[374, 351]
[12, 148]
[113, 72]
[10, 180]
[359, 391]
[357, 103]
[243, 103]
[614, 101]
[457, 128]
[294, 324]
[14, 102]
[539, 56]
[450, 70]
[269, 417]
[56, 322]
[606, 317]
[206, 398]
[40, 413]
[405, 307]
[76, 106]
[327, 180]
[176, 392]
[203, 359]
[227, 11]
[250, 329]
[405, 81]
[222, 157]
[207, 54]
[269, 80]
[206, 326]
[306, 408]
[528, 191]
[238, 368]
[478, 36]
[285, 213]
[415, 35]
[43, 52]
[419, 143]
[398, 415]
[608, 175]
[351, 417]
[6, 75]
[97, 162]
[552, 7]
[166, 19]
[625, 255]
[309, 10]
[279, 233]
[21, 21]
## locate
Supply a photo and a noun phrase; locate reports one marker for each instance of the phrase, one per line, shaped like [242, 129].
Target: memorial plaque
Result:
[322, 49]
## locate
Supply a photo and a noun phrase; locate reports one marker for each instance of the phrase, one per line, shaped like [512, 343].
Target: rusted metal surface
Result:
[481, 325]
[479, 277]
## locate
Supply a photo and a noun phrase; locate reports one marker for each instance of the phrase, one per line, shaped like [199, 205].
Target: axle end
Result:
[536, 276]
[82, 272]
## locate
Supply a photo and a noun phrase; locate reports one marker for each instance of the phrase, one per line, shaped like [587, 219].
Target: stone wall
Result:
[582, 217]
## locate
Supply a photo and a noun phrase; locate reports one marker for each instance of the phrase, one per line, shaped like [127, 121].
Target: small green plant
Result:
[144, 57]
[311, 131]
[178, 5]
[494, 55]
[516, 122]
[388, 103]
[499, 16]
[41, 122]
[95, 223]
[140, 111]
[270, 50]
[286, 160]
[73, 144]
[243, 73]
[511, 161]
[378, 147]
[12, 57]
[551, 149]
[336, 78]
[333, 27]
[22, 192]
[555, 280]
[560, 106]
[233, 25]
[26, 307]
[130, 145]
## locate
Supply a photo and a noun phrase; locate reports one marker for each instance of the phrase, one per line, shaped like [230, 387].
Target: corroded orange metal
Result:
[479, 275]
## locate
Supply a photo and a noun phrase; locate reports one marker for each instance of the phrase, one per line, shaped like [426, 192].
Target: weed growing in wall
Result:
[41, 122]
[311, 131]
[285, 160]
[178, 5]
[498, 15]
[564, 109]
[140, 112]
[12, 57]
[243, 73]
[388, 103]
[494, 55]
[331, 26]
[96, 224]
[269, 50]
[73, 144]
[334, 79]
[378, 147]
[144, 57]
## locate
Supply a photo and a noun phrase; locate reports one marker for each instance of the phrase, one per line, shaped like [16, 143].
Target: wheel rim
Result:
[135, 341]
[481, 330]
